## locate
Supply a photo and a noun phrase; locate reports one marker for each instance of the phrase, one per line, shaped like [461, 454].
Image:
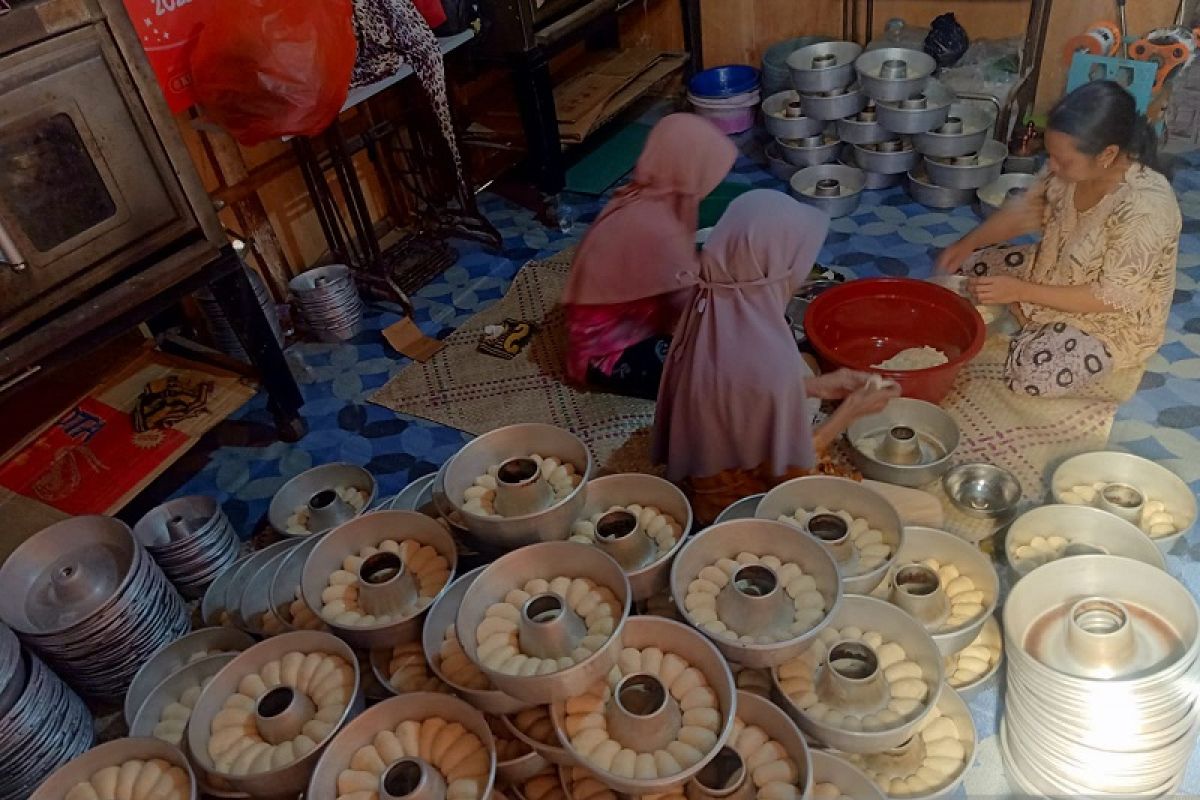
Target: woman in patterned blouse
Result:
[1093, 295]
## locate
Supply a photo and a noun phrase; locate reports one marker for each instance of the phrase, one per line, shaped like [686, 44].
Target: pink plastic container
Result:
[731, 114]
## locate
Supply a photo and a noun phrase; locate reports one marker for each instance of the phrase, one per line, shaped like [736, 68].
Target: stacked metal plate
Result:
[92, 602]
[191, 539]
[1102, 679]
[219, 327]
[43, 724]
[329, 302]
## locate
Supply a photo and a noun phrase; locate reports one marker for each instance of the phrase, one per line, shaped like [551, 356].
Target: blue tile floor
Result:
[889, 234]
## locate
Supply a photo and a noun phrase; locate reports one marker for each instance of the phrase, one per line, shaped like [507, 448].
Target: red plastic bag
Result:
[432, 11]
[264, 69]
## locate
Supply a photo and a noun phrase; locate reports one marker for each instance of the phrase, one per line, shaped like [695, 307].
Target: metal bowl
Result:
[178, 655]
[309, 485]
[834, 104]
[149, 712]
[1053, 590]
[824, 66]
[288, 781]
[92, 602]
[256, 598]
[369, 530]
[777, 165]
[191, 539]
[644, 490]
[1154, 481]
[928, 607]
[869, 613]
[971, 171]
[817, 149]
[387, 716]
[1002, 190]
[891, 157]
[909, 443]
[45, 726]
[740, 509]
[545, 560]
[284, 585]
[871, 180]
[984, 491]
[760, 537]
[863, 127]
[442, 615]
[515, 771]
[920, 112]
[212, 605]
[34, 603]
[1100, 691]
[784, 126]
[515, 441]
[839, 494]
[557, 754]
[670, 637]
[949, 705]
[847, 778]
[990, 632]
[930, 195]
[759, 711]
[893, 73]
[833, 188]
[12, 669]
[248, 570]
[112, 754]
[1088, 531]
[964, 131]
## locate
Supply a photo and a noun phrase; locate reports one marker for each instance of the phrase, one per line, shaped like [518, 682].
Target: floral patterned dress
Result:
[1125, 247]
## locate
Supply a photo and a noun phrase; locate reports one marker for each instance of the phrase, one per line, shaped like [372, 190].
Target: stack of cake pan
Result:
[1102, 679]
[329, 302]
[191, 539]
[43, 724]
[89, 599]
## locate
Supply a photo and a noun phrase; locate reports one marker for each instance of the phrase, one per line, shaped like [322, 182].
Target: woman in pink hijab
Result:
[732, 418]
[637, 262]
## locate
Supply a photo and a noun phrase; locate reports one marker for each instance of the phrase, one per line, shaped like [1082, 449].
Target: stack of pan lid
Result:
[90, 600]
[329, 302]
[1102, 679]
[43, 724]
[191, 539]
[222, 331]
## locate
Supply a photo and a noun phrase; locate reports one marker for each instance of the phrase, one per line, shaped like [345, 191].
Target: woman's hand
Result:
[997, 290]
[835, 385]
[953, 257]
[868, 399]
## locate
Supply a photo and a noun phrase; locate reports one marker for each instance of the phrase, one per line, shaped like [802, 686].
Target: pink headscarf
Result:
[644, 242]
[732, 394]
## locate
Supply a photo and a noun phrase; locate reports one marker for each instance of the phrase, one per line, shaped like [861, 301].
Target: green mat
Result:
[713, 206]
[610, 160]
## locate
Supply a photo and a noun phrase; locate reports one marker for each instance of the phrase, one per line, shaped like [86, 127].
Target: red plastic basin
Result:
[864, 322]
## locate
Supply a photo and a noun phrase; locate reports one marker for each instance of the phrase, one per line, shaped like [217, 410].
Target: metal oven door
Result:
[85, 187]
